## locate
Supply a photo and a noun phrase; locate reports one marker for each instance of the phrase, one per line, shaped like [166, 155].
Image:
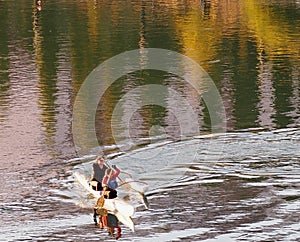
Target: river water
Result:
[239, 182]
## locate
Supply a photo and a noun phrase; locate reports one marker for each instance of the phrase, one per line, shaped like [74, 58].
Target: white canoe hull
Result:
[117, 206]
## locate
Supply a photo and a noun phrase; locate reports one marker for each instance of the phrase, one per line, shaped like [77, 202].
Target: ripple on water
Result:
[251, 189]
[250, 193]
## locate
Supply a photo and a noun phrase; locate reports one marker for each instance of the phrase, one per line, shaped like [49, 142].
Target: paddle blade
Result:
[100, 202]
[145, 200]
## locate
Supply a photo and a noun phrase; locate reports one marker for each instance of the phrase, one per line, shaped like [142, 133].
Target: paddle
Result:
[144, 198]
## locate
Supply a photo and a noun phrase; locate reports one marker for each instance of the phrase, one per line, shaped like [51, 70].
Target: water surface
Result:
[242, 185]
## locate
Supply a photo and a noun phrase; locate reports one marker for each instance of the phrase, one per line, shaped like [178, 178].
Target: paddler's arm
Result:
[93, 173]
[119, 171]
[116, 171]
[104, 182]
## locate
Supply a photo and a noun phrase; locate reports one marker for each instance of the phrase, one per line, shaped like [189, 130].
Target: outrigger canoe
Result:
[117, 206]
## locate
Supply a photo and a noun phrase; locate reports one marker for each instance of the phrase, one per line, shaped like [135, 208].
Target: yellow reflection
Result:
[271, 30]
[93, 21]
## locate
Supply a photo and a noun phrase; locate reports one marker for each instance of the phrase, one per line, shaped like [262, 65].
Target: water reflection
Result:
[227, 38]
[266, 93]
[55, 92]
[251, 51]
[295, 98]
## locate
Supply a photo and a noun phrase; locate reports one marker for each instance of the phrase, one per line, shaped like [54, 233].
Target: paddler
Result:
[109, 184]
[98, 173]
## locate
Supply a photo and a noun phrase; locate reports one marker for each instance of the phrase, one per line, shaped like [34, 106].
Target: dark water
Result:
[238, 185]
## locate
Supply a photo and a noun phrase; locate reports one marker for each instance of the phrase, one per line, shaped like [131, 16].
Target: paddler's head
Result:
[108, 171]
[100, 160]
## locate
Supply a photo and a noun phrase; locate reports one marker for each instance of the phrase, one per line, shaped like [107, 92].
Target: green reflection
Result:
[250, 49]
